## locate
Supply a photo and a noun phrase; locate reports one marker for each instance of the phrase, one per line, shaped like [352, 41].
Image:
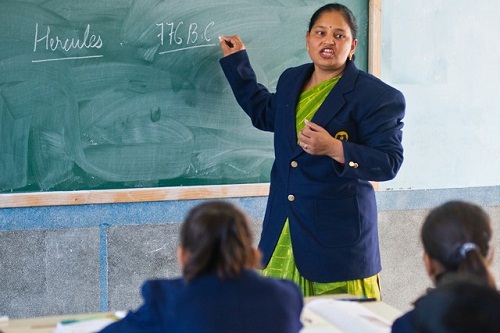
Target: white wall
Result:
[444, 55]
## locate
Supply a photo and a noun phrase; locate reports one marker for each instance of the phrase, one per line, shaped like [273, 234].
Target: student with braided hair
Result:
[456, 238]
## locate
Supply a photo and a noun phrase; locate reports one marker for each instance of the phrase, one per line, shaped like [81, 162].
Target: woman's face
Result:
[330, 42]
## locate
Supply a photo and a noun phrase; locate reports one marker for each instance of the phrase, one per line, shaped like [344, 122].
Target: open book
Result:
[328, 315]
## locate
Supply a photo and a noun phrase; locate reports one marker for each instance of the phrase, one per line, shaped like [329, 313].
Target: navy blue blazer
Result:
[247, 304]
[331, 207]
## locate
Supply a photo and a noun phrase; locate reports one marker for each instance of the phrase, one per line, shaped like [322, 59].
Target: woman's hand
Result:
[315, 140]
[230, 44]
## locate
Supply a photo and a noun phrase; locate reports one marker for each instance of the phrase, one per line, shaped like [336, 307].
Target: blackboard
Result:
[124, 94]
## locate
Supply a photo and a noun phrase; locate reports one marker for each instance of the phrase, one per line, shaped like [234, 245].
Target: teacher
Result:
[336, 128]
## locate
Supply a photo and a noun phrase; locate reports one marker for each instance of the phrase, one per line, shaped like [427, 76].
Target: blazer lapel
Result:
[335, 100]
[330, 107]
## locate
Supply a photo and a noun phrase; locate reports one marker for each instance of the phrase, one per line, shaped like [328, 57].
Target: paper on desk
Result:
[85, 326]
[88, 325]
[348, 317]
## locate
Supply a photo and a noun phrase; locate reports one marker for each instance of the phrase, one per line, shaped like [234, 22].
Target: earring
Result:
[350, 56]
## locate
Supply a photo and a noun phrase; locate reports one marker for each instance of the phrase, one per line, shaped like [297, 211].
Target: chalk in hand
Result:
[228, 43]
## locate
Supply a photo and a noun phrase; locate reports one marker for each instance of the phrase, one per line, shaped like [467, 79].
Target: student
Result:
[459, 306]
[219, 291]
[456, 238]
[336, 128]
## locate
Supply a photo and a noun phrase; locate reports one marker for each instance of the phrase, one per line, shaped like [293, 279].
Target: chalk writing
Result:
[172, 34]
[66, 44]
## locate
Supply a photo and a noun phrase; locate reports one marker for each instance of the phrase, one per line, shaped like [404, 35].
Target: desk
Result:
[342, 313]
[43, 324]
[315, 323]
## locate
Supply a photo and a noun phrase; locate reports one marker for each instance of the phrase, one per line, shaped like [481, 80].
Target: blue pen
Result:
[370, 299]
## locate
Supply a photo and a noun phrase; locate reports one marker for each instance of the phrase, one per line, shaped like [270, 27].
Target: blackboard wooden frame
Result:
[12, 200]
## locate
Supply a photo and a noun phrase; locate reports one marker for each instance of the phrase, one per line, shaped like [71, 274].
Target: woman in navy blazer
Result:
[220, 290]
[320, 180]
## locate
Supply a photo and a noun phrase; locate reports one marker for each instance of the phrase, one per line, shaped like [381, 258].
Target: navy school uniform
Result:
[248, 303]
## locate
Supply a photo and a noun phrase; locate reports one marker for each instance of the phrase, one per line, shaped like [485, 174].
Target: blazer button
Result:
[353, 164]
[294, 164]
[291, 197]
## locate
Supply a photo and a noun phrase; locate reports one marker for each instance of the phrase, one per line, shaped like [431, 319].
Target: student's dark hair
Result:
[343, 10]
[457, 234]
[459, 306]
[217, 238]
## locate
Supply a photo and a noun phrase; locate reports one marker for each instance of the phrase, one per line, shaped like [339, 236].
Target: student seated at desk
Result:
[456, 238]
[220, 291]
[459, 306]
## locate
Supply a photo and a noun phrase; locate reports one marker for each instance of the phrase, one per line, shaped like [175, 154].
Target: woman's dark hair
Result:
[343, 10]
[457, 234]
[216, 236]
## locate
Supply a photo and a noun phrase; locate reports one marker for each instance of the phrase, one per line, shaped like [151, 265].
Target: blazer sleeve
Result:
[145, 319]
[404, 324]
[378, 155]
[254, 98]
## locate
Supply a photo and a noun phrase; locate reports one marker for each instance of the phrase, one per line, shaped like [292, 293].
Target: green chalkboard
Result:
[124, 94]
